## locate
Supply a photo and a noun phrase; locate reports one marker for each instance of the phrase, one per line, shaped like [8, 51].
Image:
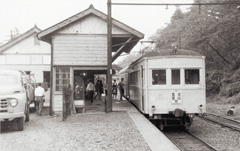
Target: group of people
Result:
[115, 86]
[99, 89]
[91, 89]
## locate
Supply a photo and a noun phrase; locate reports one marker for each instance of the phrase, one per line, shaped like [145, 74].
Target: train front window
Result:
[192, 76]
[158, 77]
[176, 76]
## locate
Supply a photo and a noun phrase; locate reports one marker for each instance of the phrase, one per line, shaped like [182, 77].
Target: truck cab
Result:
[14, 97]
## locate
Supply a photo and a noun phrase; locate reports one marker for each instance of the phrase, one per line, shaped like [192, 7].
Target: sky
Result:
[24, 14]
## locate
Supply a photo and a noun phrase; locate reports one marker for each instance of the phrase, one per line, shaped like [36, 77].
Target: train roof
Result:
[170, 52]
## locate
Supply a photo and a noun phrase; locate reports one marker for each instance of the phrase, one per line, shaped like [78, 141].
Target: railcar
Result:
[167, 86]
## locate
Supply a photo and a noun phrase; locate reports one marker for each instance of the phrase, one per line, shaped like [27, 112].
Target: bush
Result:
[212, 88]
[236, 99]
[230, 89]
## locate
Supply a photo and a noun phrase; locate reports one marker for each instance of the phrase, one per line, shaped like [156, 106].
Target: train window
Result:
[158, 77]
[192, 76]
[133, 78]
[176, 76]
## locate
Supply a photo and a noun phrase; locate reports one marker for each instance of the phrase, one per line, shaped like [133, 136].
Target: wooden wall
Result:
[74, 49]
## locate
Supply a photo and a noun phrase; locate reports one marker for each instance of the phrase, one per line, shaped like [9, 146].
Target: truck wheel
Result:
[20, 123]
[27, 110]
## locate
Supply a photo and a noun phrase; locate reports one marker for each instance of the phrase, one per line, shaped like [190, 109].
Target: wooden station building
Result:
[79, 50]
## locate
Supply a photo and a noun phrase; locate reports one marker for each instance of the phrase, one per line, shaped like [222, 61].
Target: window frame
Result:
[159, 69]
[199, 76]
[179, 69]
[62, 76]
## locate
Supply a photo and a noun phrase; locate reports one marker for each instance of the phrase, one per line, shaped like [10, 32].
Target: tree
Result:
[14, 33]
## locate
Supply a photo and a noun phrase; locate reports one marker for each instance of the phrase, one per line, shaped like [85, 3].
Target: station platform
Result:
[153, 137]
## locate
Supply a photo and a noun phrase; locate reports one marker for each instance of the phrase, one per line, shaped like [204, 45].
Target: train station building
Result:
[79, 51]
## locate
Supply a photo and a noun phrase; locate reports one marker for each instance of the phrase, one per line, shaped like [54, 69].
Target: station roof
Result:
[18, 39]
[120, 43]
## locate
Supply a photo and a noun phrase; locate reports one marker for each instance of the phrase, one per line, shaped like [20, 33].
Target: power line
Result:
[154, 4]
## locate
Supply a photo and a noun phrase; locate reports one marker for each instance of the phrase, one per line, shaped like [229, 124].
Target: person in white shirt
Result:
[90, 90]
[39, 96]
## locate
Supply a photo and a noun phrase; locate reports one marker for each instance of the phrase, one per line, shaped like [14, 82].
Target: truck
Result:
[16, 93]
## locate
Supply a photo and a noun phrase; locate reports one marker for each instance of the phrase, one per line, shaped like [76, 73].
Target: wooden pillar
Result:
[51, 83]
[108, 105]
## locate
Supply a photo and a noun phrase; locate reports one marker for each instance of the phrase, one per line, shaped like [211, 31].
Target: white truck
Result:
[16, 94]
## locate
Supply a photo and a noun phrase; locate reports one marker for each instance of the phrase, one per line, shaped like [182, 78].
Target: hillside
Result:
[213, 31]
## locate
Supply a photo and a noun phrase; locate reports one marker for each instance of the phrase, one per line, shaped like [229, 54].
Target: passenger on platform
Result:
[114, 89]
[96, 89]
[39, 97]
[68, 99]
[121, 89]
[105, 91]
[90, 90]
[99, 89]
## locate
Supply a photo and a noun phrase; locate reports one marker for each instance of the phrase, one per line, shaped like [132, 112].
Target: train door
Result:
[142, 85]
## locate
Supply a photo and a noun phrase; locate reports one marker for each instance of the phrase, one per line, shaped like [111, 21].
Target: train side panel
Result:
[135, 85]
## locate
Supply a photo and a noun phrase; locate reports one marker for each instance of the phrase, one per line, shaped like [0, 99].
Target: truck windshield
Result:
[10, 79]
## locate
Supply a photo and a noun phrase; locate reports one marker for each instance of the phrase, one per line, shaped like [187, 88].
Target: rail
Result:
[220, 120]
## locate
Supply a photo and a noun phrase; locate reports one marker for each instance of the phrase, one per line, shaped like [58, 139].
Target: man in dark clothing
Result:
[121, 89]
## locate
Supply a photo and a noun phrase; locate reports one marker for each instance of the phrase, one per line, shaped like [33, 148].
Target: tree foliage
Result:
[211, 30]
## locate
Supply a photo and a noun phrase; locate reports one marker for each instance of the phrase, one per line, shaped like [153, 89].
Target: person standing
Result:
[39, 96]
[90, 90]
[68, 99]
[99, 89]
[121, 89]
[105, 91]
[114, 89]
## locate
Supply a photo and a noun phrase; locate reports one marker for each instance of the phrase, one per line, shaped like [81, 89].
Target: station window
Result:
[62, 77]
[192, 76]
[158, 77]
[176, 76]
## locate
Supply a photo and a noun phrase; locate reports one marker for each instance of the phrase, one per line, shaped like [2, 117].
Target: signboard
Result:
[176, 97]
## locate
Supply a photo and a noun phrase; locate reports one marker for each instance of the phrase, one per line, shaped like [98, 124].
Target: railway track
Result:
[186, 141]
[220, 120]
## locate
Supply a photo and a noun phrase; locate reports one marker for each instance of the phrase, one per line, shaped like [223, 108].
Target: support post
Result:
[108, 105]
[51, 84]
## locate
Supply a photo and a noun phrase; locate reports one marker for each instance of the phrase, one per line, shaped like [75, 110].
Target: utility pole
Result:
[108, 106]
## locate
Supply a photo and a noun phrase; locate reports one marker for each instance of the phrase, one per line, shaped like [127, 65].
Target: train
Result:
[167, 86]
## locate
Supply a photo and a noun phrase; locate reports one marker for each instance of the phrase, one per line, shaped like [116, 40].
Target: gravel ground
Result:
[223, 139]
[113, 131]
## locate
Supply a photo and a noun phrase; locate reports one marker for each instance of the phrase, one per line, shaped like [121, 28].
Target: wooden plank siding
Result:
[57, 103]
[80, 49]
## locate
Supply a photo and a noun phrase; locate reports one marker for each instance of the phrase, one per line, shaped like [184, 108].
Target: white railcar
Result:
[167, 86]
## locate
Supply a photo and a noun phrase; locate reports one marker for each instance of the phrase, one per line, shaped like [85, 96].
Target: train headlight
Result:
[153, 108]
[13, 102]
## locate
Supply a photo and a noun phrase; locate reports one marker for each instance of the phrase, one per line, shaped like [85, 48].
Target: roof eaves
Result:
[16, 40]
[65, 22]
[82, 14]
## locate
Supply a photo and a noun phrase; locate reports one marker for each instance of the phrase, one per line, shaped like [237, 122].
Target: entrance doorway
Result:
[81, 80]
